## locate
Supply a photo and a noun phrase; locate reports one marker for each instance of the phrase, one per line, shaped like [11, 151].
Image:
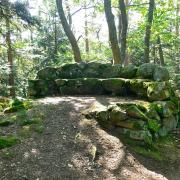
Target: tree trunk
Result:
[119, 27]
[10, 57]
[177, 17]
[154, 54]
[161, 56]
[112, 32]
[86, 31]
[148, 31]
[124, 21]
[177, 54]
[68, 14]
[55, 38]
[69, 33]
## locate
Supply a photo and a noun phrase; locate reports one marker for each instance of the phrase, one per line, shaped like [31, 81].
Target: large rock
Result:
[142, 135]
[170, 123]
[135, 112]
[165, 108]
[129, 71]
[158, 91]
[146, 71]
[71, 71]
[48, 73]
[110, 71]
[81, 86]
[116, 115]
[137, 87]
[161, 74]
[134, 124]
[151, 113]
[41, 88]
[114, 86]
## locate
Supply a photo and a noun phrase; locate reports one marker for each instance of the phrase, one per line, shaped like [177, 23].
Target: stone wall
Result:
[145, 120]
[147, 81]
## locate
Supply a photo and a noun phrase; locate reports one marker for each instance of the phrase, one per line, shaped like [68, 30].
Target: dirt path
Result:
[65, 149]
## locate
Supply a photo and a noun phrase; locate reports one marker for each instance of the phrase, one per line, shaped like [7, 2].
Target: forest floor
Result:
[66, 147]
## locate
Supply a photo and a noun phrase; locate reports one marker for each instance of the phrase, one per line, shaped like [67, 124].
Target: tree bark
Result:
[86, 31]
[124, 21]
[10, 55]
[112, 32]
[68, 14]
[177, 17]
[154, 54]
[148, 31]
[161, 55]
[119, 27]
[69, 33]
[55, 38]
[177, 54]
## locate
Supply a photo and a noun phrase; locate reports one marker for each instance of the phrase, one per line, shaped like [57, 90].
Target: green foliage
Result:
[8, 141]
[153, 125]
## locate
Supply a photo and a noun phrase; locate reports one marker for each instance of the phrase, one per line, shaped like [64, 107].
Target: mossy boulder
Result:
[151, 113]
[170, 123]
[129, 71]
[134, 124]
[146, 71]
[114, 86]
[110, 71]
[135, 112]
[41, 88]
[71, 71]
[142, 135]
[165, 108]
[82, 86]
[116, 114]
[48, 73]
[160, 74]
[158, 91]
[137, 87]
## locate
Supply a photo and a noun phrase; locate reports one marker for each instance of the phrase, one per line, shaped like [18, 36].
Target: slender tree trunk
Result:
[55, 38]
[148, 31]
[86, 31]
[177, 17]
[124, 21]
[119, 27]
[68, 13]
[161, 55]
[112, 32]
[10, 57]
[154, 54]
[69, 33]
[177, 56]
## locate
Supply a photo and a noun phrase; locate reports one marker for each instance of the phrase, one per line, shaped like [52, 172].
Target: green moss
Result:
[134, 111]
[129, 71]
[28, 104]
[153, 125]
[6, 122]
[30, 121]
[38, 128]
[25, 132]
[8, 141]
[155, 154]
